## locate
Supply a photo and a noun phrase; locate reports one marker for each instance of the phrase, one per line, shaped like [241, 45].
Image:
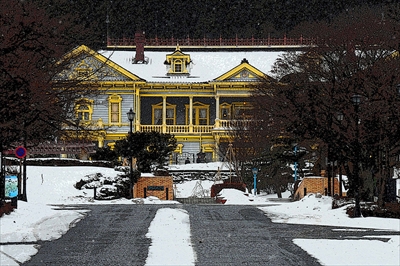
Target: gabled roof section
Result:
[85, 63]
[243, 72]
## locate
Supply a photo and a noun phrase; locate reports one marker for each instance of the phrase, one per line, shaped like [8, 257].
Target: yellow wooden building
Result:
[195, 93]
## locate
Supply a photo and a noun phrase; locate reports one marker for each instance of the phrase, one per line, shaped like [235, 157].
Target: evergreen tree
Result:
[105, 154]
[199, 19]
[149, 148]
[275, 172]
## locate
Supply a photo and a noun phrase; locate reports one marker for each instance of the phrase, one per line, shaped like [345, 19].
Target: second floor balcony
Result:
[219, 126]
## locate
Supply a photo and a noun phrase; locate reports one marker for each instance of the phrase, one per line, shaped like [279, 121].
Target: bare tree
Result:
[31, 45]
[343, 91]
[246, 142]
[32, 107]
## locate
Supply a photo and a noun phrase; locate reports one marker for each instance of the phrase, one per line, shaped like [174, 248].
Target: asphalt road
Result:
[220, 234]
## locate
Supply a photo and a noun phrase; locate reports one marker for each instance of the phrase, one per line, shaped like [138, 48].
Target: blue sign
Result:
[11, 188]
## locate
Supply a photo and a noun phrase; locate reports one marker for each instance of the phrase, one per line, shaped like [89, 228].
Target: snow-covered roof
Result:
[206, 65]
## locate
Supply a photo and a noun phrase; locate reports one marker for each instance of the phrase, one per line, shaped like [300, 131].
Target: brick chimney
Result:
[139, 42]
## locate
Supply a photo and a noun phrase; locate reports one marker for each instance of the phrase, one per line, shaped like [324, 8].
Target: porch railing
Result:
[173, 129]
[224, 125]
[234, 124]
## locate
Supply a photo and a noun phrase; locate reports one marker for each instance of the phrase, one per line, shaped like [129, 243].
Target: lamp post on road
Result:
[295, 161]
[340, 117]
[131, 116]
[356, 99]
[255, 171]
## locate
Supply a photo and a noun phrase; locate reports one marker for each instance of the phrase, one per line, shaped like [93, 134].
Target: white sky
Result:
[37, 220]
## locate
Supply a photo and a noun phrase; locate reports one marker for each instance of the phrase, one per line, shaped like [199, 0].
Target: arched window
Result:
[84, 109]
[177, 66]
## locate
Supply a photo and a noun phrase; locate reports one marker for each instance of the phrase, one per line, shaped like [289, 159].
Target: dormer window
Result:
[178, 63]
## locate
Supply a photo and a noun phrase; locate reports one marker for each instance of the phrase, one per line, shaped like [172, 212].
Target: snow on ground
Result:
[55, 185]
[38, 219]
[170, 228]
[315, 210]
[353, 252]
[318, 211]
[200, 166]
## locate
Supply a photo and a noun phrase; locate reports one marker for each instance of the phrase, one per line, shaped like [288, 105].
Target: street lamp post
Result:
[295, 161]
[255, 171]
[340, 118]
[356, 99]
[131, 116]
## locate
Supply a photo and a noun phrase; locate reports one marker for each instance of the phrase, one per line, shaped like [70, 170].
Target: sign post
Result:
[20, 152]
[255, 171]
[2, 181]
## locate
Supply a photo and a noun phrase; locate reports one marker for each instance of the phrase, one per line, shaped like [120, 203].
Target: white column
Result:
[164, 114]
[164, 110]
[216, 111]
[216, 107]
[190, 114]
[190, 110]
[137, 110]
